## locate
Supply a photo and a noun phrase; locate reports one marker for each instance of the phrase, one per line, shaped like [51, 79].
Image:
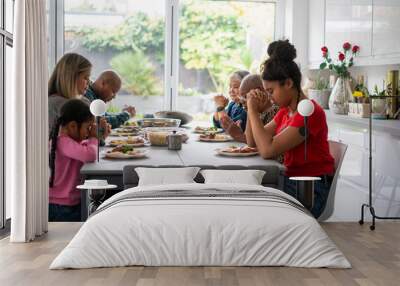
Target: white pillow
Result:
[166, 176]
[247, 177]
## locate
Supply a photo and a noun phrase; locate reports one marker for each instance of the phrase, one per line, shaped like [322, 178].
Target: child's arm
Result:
[241, 118]
[86, 151]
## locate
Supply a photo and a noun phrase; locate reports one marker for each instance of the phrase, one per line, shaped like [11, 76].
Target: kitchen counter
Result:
[391, 127]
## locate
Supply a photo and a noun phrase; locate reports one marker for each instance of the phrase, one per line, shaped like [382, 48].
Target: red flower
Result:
[324, 49]
[355, 49]
[341, 57]
[346, 46]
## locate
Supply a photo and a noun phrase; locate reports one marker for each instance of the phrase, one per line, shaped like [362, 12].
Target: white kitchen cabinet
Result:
[349, 21]
[337, 25]
[374, 25]
[386, 27]
[316, 38]
[353, 182]
[361, 26]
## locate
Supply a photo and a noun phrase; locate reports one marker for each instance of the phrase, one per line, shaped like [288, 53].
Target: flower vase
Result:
[340, 96]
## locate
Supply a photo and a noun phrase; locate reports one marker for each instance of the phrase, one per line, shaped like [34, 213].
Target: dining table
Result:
[193, 153]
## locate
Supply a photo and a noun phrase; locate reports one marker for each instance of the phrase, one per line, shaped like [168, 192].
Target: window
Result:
[216, 39]
[205, 41]
[6, 42]
[130, 41]
[9, 11]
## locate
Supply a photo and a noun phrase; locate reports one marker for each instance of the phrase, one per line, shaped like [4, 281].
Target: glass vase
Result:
[340, 96]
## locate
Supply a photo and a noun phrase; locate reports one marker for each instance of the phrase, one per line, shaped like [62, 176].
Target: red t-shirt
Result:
[319, 160]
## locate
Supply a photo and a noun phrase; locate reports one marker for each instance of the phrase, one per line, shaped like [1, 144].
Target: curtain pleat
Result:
[29, 159]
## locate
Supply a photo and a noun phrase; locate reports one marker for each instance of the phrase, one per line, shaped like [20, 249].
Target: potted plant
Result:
[320, 93]
[341, 92]
[379, 104]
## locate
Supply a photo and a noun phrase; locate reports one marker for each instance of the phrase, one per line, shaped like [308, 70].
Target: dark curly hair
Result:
[280, 65]
[73, 110]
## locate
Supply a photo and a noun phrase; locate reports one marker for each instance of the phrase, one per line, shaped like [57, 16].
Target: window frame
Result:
[6, 39]
[171, 66]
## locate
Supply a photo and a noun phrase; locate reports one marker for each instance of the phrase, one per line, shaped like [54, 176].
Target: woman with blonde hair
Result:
[69, 80]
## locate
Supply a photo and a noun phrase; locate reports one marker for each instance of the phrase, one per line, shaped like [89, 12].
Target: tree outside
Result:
[216, 38]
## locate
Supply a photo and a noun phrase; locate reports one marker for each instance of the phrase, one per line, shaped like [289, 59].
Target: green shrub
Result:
[137, 73]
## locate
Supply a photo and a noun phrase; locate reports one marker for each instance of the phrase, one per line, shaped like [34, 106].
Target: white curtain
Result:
[26, 121]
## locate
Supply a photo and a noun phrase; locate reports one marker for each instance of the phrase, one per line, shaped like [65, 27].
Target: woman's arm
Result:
[268, 144]
[249, 133]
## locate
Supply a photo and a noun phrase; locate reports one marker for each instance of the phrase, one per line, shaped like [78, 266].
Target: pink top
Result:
[70, 157]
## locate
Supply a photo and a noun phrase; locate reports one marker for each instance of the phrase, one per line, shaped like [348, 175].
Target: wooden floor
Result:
[375, 257]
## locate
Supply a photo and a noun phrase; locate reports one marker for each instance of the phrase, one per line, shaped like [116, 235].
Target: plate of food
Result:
[133, 141]
[213, 137]
[130, 123]
[120, 133]
[125, 152]
[158, 122]
[236, 151]
[205, 130]
[132, 129]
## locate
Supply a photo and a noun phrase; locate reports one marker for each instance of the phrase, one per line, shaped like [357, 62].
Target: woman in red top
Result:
[285, 134]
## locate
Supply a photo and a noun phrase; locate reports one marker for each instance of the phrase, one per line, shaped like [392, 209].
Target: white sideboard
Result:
[352, 187]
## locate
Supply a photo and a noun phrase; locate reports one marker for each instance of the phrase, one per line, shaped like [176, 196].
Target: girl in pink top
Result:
[73, 143]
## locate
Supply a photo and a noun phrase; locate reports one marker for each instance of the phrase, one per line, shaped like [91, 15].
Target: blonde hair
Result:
[63, 80]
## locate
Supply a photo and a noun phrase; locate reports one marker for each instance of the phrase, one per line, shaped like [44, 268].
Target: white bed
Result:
[185, 230]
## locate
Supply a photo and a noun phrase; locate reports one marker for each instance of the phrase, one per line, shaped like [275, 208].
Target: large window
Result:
[129, 40]
[171, 54]
[216, 39]
[6, 42]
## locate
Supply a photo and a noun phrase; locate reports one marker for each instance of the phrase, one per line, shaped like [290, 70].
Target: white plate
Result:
[219, 130]
[120, 155]
[225, 139]
[141, 144]
[165, 129]
[129, 129]
[123, 134]
[136, 145]
[229, 154]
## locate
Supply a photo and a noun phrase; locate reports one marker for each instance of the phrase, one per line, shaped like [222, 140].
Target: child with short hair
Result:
[233, 109]
[73, 143]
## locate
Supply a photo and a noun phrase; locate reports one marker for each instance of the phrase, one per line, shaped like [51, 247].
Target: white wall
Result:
[296, 29]
[372, 74]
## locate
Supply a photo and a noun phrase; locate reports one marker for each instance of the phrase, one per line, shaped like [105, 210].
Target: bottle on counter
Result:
[392, 89]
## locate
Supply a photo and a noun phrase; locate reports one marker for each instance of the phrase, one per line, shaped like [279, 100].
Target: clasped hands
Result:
[105, 129]
[258, 101]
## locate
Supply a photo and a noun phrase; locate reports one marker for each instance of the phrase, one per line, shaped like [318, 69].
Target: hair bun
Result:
[282, 50]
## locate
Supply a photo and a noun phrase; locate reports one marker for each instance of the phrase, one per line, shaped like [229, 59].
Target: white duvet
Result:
[200, 231]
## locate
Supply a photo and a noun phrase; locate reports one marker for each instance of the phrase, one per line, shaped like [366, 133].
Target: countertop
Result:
[388, 126]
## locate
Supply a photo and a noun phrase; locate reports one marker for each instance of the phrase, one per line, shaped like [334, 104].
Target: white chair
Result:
[337, 151]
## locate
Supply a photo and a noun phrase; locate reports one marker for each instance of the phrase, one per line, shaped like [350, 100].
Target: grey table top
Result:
[194, 152]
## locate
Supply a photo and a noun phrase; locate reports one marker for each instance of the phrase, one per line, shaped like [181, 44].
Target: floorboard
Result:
[374, 255]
